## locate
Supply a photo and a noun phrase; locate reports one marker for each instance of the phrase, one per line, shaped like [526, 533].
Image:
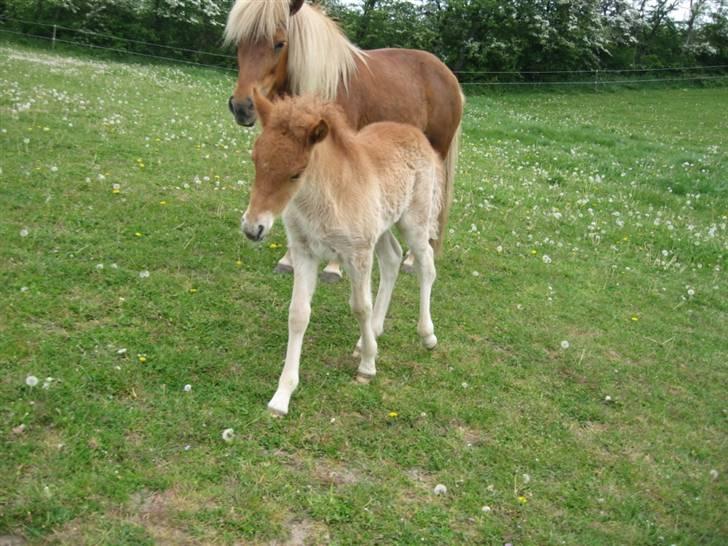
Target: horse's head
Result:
[281, 154]
[262, 57]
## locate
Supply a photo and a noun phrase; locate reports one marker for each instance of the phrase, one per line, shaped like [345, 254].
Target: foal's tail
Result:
[448, 183]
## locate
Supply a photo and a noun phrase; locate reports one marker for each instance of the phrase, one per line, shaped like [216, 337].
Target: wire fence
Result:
[472, 79]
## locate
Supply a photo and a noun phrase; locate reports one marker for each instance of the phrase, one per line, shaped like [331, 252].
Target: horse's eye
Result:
[296, 176]
[278, 46]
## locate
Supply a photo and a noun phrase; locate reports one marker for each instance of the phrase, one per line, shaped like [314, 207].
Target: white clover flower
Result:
[546, 259]
[99, 266]
[24, 232]
[439, 489]
[565, 344]
[47, 383]
[31, 381]
[144, 274]
[486, 509]
[228, 435]
[188, 387]
[526, 478]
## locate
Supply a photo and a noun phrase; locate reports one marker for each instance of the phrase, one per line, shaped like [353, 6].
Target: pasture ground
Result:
[577, 396]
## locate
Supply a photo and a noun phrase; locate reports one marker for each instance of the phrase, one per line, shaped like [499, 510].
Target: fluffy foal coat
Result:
[340, 192]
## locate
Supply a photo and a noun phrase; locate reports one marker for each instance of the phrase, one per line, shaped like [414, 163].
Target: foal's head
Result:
[291, 128]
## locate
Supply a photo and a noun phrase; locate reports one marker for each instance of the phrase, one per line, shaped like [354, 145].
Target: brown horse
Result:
[286, 47]
[340, 192]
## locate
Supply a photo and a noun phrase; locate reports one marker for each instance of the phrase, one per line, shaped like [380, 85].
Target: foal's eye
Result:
[278, 46]
[296, 176]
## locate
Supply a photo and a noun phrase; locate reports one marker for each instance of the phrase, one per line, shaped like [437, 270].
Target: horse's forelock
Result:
[254, 20]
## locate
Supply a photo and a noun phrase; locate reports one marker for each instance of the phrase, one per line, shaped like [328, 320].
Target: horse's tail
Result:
[448, 183]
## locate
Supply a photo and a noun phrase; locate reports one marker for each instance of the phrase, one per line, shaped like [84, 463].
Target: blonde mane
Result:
[319, 54]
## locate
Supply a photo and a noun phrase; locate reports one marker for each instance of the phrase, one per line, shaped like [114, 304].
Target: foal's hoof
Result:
[284, 269]
[429, 341]
[329, 277]
[276, 413]
[364, 378]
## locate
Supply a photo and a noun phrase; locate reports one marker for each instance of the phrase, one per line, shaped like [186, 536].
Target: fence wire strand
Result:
[592, 82]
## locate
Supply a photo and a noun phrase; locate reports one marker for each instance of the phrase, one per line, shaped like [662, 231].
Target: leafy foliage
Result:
[469, 35]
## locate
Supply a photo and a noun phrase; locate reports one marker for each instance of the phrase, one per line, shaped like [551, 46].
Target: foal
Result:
[340, 192]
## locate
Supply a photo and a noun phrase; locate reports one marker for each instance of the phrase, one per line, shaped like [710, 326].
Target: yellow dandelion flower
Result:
[393, 414]
[138, 234]
[534, 252]
[522, 499]
[162, 202]
[635, 318]
[142, 359]
[238, 263]
[193, 290]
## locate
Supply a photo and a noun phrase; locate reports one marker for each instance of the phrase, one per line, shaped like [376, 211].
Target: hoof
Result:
[364, 378]
[329, 277]
[283, 269]
[429, 341]
[407, 268]
[276, 413]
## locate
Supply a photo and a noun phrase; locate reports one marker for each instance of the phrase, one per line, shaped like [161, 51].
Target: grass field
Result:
[577, 396]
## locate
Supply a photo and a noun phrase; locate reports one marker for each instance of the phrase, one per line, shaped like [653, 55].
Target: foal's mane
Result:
[319, 54]
[296, 114]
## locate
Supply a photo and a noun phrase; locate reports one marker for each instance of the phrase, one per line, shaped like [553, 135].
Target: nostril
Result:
[249, 103]
[230, 105]
[260, 232]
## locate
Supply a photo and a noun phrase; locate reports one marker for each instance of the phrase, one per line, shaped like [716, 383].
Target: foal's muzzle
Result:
[254, 233]
[244, 111]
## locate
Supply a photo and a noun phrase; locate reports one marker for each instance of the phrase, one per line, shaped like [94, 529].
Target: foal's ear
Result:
[295, 5]
[318, 132]
[262, 106]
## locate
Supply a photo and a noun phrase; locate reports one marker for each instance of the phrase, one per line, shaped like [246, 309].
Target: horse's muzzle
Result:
[244, 111]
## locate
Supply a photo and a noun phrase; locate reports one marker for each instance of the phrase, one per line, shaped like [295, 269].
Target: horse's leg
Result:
[304, 285]
[284, 265]
[389, 256]
[417, 238]
[331, 273]
[360, 271]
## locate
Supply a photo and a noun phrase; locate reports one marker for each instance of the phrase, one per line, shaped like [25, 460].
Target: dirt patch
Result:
[10, 540]
[156, 511]
[303, 532]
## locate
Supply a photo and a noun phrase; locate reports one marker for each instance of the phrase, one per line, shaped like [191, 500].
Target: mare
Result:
[286, 47]
[340, 192]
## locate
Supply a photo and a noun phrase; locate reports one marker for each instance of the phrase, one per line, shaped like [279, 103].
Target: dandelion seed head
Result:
[24, 232]
[31, 381]
[565, 344]
[228, 435]
[440, 489]
[187, 387]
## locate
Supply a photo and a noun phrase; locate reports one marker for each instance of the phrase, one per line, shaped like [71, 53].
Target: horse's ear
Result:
[262, 106]
[318, 132]
[296, 5]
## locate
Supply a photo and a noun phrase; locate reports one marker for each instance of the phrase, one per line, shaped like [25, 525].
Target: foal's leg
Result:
[304, 285]
[389, 256]
[417, 238]
[360, 271]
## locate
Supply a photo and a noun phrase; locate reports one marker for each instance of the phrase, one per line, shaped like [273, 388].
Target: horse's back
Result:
[406, 86]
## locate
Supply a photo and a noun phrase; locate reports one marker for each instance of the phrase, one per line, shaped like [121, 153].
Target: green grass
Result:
[593, 219]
